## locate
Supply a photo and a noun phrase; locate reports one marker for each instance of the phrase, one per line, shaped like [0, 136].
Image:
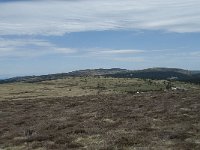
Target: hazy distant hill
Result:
[78, 73]
[96, 72]
[195, 72]
[155, 73]
[161, 74]
[151, 73]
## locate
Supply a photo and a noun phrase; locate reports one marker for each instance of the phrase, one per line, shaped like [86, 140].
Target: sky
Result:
[54, 36]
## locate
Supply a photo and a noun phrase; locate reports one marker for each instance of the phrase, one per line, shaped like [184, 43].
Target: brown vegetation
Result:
[150, 120]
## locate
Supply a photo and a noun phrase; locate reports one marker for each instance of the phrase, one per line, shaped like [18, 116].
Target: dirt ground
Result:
[151, 120]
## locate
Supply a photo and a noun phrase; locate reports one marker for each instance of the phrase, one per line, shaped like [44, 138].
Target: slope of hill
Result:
[155, 73]
[96, 72]
[31, 79]
[151, 73]
[195, 72]
[78, 73]
[161, 74]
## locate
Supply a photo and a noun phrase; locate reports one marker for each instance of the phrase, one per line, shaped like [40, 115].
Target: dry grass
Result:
[99, 113]
[78, 87]
[152, 120]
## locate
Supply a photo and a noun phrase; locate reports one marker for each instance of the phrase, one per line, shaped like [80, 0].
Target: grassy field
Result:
[99, 113]
[79, 86]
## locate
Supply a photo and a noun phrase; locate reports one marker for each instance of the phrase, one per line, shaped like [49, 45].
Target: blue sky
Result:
[51, 36]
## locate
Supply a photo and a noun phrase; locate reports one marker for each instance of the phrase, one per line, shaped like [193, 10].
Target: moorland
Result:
[98, 110]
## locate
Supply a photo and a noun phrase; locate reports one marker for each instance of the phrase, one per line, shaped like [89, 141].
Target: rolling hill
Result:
[161, 74]
[151, 73]
[78, 73]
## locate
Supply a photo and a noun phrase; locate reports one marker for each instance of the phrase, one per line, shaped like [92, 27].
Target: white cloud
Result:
[23, 42]
[30, 48]
[59, 17]
[114, 51]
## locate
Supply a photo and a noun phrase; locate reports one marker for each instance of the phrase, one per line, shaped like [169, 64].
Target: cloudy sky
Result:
[51, 36]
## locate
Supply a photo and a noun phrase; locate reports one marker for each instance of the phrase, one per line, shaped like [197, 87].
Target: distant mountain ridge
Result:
[96, 72]
[150, 73]
[78, 73]
[161, 74]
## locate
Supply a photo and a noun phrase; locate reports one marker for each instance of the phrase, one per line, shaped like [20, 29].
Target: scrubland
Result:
[99, 113]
